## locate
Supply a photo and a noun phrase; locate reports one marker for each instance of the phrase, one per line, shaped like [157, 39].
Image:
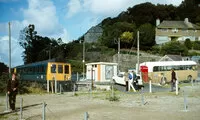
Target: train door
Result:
[67, 72]
[60, 72]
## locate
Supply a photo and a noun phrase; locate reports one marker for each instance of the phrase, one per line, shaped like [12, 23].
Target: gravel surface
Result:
[162, 105]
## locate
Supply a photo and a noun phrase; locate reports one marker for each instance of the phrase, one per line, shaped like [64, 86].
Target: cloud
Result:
[107, 7]
[74, 6]
[16, 51]
[43, 15]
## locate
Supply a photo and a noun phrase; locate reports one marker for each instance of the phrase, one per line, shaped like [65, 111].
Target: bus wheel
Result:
[189, 78]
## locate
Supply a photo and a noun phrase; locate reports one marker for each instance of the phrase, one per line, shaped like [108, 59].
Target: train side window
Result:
[53, 68]
[60, 69]
[66, 69]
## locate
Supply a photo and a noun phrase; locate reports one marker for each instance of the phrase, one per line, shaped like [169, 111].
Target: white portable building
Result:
[101, 71]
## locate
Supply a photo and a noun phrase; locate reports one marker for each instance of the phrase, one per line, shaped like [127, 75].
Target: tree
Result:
[3, 68]
[147, 39]
[126, 38]
[27, 41]
[196, 45]
[174, 47]
[188, 43]
[114, 31]
[37, 48]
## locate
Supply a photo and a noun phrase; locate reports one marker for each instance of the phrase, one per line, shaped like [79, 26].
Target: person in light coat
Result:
[131, 77]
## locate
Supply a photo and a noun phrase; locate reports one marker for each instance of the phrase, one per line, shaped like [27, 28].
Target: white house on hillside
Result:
[176, 30]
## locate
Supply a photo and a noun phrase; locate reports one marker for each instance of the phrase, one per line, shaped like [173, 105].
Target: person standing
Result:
[131, 77]
[126, 80]
[12, 88]
[173, 80]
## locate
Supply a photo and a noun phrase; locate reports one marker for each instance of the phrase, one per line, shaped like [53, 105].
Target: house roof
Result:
[171, 58]
[178, 24]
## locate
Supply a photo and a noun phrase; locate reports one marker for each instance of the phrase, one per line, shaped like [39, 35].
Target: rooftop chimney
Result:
[157, 21]
[186, 21]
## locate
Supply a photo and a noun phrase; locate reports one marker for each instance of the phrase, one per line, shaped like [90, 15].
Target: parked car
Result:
[120, 79]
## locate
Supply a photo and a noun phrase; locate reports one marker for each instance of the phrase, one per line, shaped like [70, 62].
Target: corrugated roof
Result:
[178, 24]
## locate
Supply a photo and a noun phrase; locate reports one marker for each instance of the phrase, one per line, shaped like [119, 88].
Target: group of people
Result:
[131, 79]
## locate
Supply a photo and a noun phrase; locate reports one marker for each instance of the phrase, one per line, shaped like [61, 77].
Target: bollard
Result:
[142, 97]
[185, 101]
[192, 83]
[74, 90]
[86, 116]
[7, 99]
[176, 87]
[112, 91]
[150, 87]
[44, 111]
[47, 86]
[21, 108]
[60, 89]
[55, 85]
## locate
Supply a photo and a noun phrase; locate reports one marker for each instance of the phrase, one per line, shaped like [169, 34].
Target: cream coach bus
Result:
[159, 71]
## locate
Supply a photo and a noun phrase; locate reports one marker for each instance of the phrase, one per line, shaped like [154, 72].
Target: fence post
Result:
[7, 99]
[192, 82]
[176, 87]
[44, 111]
[74, 89]
[142, 96]
[150, 88]
[185, 101]
[21, 108]
[77, 77]
[86, 116]
[47, 86]
[55, 84]
[112, 91]
[60, 89]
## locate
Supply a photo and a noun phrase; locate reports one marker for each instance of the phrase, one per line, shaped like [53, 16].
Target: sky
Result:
[66, 19]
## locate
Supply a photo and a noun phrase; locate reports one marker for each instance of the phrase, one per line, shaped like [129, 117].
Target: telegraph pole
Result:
[9, 34]
[118, 60]
[84, 57]
[138, 54]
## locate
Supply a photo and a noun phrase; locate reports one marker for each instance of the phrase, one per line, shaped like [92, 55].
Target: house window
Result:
[164, 30]
[175, 30]
[185, 30]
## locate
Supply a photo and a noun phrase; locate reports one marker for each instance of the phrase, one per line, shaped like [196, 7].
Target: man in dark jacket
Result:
[173, 80]
[12, 88]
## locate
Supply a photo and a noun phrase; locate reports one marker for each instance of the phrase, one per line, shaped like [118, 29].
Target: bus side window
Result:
[53, 68]
[155, 68]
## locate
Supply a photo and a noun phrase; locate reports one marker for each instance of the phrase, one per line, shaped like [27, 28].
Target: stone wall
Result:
[129, 61]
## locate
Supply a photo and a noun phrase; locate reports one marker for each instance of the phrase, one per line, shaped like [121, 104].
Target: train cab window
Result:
[53, 68]
[60, 69]
[66, 69]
